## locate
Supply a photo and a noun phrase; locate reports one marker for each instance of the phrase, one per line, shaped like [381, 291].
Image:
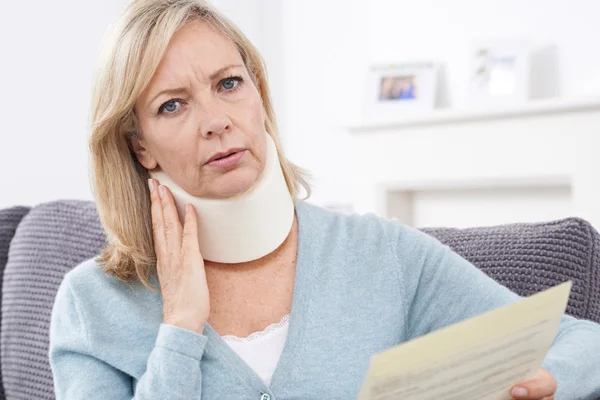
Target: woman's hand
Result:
[179, 265]
[540, 387]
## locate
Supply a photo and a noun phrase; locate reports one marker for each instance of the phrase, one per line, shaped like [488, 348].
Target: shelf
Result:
[449, 116]
[422, 185]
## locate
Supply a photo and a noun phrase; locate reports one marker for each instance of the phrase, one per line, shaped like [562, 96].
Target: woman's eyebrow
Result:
[172, 91]
[225, 68]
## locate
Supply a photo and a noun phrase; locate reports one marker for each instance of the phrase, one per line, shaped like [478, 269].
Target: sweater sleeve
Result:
[172, 370]
[442, 288]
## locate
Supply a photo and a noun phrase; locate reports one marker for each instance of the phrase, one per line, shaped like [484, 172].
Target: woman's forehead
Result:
[195, 53]
[199, 45]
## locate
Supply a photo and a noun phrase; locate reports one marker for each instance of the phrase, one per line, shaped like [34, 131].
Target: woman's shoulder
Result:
[90, 277]
[97, 295]
[324, 219]
[361, 227]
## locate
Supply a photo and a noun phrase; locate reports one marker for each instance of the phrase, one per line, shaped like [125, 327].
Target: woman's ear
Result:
[141, 152]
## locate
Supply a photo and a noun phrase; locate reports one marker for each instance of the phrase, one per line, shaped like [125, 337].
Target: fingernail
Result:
[188, 208]
[161, 191]
[151, 185]
[519, 392]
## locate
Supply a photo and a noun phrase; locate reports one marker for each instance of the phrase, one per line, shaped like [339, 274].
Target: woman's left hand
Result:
[540, 387]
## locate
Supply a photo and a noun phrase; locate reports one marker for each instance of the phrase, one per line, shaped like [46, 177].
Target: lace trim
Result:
[259, 334]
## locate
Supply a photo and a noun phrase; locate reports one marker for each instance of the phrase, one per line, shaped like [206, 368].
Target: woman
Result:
[181, 95]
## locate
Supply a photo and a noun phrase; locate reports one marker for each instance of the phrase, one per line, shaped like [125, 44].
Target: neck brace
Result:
[245, 227]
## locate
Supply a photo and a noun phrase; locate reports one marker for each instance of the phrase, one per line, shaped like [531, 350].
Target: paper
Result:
[480, 358]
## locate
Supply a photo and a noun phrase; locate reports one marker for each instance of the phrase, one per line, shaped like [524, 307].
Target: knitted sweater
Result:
[363, 284]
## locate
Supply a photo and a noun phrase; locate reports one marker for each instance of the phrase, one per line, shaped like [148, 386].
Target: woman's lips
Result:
[228, 161]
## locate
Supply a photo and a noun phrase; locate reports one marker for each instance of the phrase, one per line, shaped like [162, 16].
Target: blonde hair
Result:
[129, 57]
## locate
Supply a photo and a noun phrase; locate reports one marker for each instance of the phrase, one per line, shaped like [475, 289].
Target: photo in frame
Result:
[400, 90]
[500, 71]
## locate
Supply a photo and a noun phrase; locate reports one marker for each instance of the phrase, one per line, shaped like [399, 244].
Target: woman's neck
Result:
[281, 256]
[238, 305]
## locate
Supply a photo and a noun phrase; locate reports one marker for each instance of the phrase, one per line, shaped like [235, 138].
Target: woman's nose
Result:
[214, 123]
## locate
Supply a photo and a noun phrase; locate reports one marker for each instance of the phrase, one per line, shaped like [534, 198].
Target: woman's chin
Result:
[232, 184]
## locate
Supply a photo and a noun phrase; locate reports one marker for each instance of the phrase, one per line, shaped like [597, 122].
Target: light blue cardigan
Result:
[363, 284]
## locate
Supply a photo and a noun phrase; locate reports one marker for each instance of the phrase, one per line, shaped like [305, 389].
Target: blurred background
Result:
[435, 112]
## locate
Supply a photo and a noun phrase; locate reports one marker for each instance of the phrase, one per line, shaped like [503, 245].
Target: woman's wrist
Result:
[193, 327]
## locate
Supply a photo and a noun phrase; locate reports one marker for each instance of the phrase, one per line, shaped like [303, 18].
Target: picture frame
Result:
[399, 90]
[500, 72]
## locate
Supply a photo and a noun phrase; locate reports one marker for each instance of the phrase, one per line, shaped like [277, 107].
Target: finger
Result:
[172, 226]
[190, 231]
[158, 231]
[535, 389]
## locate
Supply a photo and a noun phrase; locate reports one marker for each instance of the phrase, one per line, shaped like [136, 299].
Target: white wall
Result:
[47, 53]
[329, 45]
[317, 52]
[325, 58]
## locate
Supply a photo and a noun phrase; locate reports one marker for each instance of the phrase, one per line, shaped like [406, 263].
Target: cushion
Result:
[9, 220]
[528, 258]
[51, 240]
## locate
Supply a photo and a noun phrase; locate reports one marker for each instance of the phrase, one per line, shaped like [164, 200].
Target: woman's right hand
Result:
[179, 264]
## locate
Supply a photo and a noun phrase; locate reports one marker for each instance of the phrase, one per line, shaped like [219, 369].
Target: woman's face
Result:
[201, 117]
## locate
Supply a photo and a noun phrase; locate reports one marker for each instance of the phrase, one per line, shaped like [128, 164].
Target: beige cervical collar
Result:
[245, 227]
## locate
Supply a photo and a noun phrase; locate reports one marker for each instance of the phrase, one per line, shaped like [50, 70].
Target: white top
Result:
[261, 350]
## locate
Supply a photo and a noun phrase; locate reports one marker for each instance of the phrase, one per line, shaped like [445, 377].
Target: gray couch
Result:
[39, 245]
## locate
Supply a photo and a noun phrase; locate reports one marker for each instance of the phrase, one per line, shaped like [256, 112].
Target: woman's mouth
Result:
[226, 159]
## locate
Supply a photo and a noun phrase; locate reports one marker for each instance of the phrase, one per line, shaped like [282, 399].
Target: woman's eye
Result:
[169, 107]
[230, 83]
